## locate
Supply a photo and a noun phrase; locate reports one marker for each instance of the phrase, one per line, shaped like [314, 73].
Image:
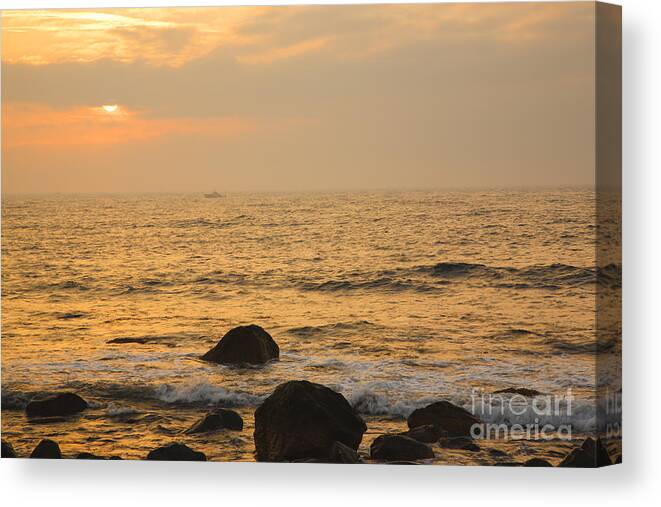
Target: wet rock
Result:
[88, 455]
[451, 420]
[399, 448]
[591, 454]
[461, 443]
[217, 419]
[427, 433]
[528, 393]
[62, 404]
[301, 420]
[537, 462]
[47, 449]
[340, 453]
[7, 450]
[176, 452]
[244, 344]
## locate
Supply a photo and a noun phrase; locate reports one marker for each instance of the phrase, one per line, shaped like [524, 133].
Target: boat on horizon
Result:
[213, 195]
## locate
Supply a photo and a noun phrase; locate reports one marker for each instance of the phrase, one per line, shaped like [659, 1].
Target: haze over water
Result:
[395, 299]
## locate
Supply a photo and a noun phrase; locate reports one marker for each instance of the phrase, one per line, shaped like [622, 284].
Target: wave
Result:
[338, 328]
[204, 393]
[582, 416]
[437, 277]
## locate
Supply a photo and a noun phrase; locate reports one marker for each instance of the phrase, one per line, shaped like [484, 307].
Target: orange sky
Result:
[291, 98]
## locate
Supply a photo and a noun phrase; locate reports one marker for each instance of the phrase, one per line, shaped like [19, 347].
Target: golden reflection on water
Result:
[394, 299]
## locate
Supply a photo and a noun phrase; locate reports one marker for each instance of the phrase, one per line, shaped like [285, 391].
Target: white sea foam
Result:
[114, 410]
[204, 392]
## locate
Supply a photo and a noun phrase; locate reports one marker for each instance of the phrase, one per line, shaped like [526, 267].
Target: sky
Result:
[298, 98]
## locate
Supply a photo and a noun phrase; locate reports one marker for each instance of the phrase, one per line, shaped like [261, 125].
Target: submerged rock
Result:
[47, 449]
[591, 454]
[462, 443]
[340, 453]
[88, 455]
[528, 393]
[7, 450]
[244, 344]
[176, 452]
[451, 420]
[537, 462]
[301, 420]
[427, 433]
[399, 448]
[62, 404]
[217, 419]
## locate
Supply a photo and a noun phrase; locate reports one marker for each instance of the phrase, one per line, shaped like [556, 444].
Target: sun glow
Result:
[110, 108]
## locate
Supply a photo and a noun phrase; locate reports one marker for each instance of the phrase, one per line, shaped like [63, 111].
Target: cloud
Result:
[313, 97]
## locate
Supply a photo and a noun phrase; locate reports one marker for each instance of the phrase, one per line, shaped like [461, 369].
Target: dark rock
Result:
[217, 419]
[47, 449]
[497, 453]
[340, 453]
[62, 404]
[537, 462]
[462, 443]
[301, 419]
[618, 460]
[176, 452]
[399, 448]
[454, 421]
[529, 393]
[427, 433]
[244, 344]
[88, 455]
[7, 450]
[591, 454]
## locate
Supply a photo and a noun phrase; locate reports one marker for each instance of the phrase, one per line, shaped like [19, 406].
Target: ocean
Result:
[394, 299]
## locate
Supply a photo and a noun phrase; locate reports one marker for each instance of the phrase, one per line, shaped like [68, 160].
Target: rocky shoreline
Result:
[307, 422]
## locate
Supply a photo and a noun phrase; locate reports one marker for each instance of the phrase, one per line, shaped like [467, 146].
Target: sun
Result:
[110, 108]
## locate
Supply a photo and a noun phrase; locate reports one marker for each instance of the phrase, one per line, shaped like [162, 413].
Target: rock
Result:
[244, 344]
[176, 452]
[301, 419]
[62, 404]
[340, 453]
[450, 419]
[537, 462]
[591, 454]
[217, 419]
[399, 448]
[47, 449]
[88, 455]
[7, 450]
[497, 453]
[618, 460]
[427, 433]
[528, 393]
[462, 443]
